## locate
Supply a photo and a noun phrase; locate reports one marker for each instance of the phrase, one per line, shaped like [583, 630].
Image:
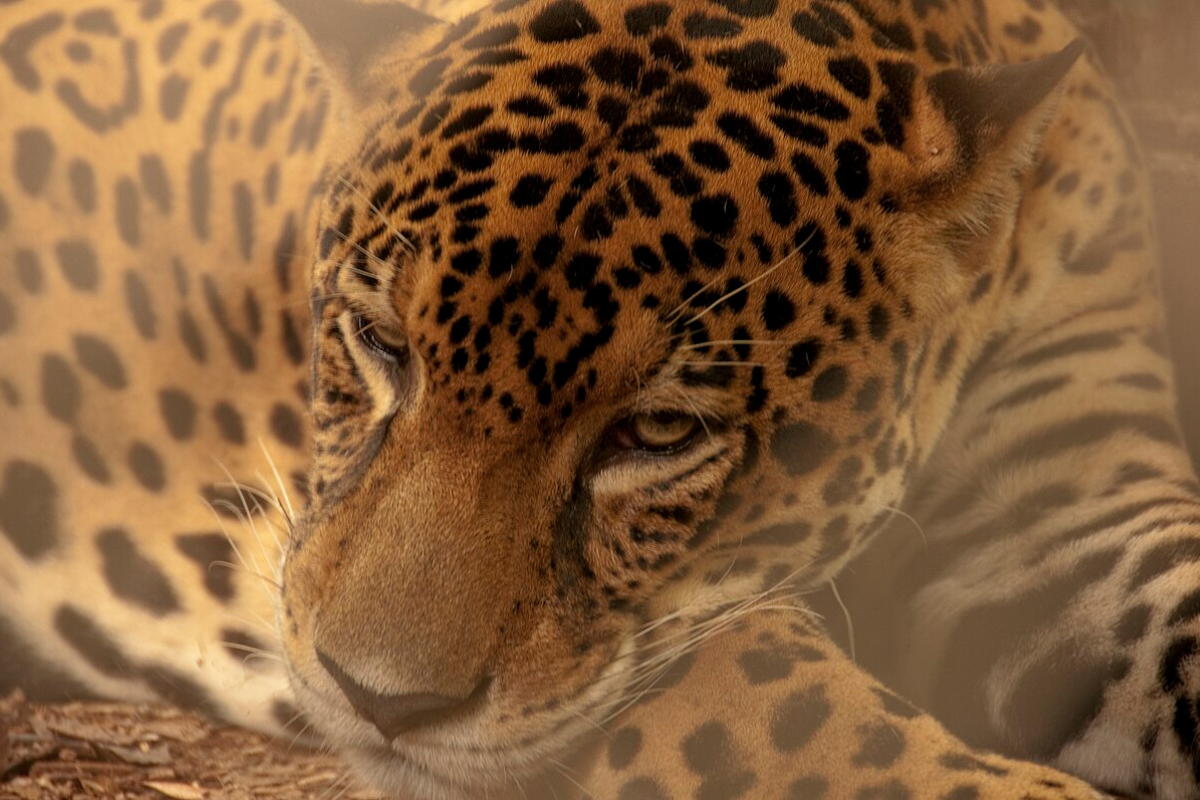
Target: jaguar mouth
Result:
[401, 775]
[496, 775]
[477, 756]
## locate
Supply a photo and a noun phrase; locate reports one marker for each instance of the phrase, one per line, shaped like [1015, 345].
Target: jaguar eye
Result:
[384, 342]
[658, 432]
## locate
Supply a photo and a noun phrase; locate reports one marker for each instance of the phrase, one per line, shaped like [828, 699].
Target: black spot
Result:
[704, 26]
[29, 509]
[179, 412]
[132, 576]
[229, 423]
[14, 50]
[780, 194]
[245, 648]
[147, 466]
[97, 20]
[743, 131]
[867, 398]
[78, 262]
[199, 184]
[467, 121]
[61, 392]
[765, 665]
[286, 425]
[963, 792]
[878, 322]
[95, 646]
[82, 181]
[178, 690]
[171, 95]
[1174, 661]
[710, 752]
[563, 21]
[213, 553]
[852, 280]
[802, 447]
[681, 180]
[749, 8]
[881, 744]
[29, 271]
[170, 40]
[777, 311]
[101, 360]
[530, 191]
[802, 99]
[243, 219]
[137, 298]
[810, 174]
[896, 706]
[622, 68]
[715, 215]
[853, 74]
[852, 174]
[1186, 610]
[155, 182]
[643, 20]
[810, 787]
[428, 77]
[892, 790]
[623, 747]
[799, 717]
[709, 155]
[32, 158]
[581, 271]
[8, 314]
[810, 241]
[842, 486]
[128, 212]
[288, 718]
[752, 67]
[829, 385]
[642, 789]
[88, 457]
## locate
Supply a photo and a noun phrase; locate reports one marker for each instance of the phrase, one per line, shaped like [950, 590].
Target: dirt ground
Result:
[121, 752]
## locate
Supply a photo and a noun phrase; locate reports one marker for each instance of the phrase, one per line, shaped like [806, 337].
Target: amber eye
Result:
[660, 432]
[384, 342]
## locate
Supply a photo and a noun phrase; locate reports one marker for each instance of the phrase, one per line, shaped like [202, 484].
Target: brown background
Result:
[1152, 47]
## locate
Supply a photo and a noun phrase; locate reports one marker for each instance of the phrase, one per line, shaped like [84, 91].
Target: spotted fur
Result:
[543, 371]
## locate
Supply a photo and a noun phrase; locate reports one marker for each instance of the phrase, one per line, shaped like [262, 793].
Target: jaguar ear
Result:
[977, 127]
[353, 38]
[985, 105]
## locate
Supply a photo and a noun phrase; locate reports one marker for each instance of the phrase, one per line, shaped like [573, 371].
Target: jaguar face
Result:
[620, 321]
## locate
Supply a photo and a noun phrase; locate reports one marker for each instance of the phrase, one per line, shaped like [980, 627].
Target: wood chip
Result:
[90, 732]
[143, 756]
[188, 731]
[176, 791]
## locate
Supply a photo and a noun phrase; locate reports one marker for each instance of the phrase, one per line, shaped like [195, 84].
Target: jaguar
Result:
[603, 398]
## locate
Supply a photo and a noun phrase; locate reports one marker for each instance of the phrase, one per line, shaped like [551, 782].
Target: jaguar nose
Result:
[393, 714]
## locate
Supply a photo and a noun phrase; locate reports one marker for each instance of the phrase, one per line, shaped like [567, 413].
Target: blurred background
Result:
[1152, 48]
